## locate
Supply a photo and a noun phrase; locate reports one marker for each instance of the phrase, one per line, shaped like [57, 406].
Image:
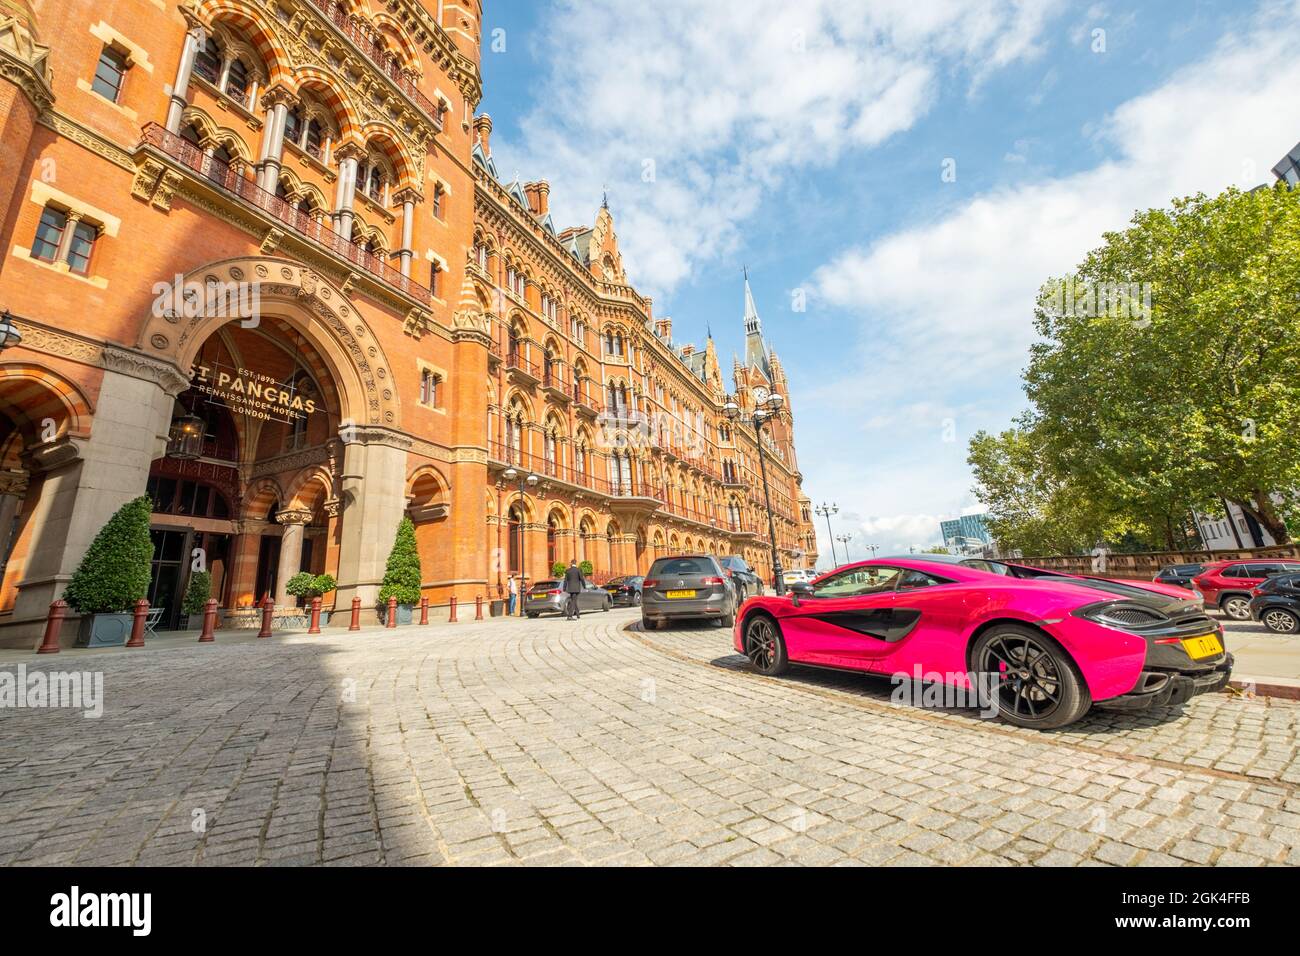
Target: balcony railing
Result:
[231, 179]
[381, 58]
[541, 465]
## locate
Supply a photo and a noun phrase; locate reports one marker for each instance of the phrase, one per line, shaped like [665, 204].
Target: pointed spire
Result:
[755, 347]
[604, 198]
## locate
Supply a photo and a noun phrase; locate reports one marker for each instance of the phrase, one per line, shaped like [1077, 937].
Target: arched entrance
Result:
[283, 457]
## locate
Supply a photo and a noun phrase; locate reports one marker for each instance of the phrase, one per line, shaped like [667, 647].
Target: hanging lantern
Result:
[185, 440]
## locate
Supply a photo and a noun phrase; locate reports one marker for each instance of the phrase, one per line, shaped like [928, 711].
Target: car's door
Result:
[592, 597]
[847, 619]
[928, 615]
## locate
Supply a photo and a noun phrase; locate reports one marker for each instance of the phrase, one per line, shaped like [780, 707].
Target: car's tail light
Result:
[650, 583]
[1256, 591]
[712, 581]
[556, 591]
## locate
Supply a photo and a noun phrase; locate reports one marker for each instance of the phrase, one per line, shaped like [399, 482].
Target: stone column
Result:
[468, 473]
[268, 166]
[372, 499]
[12, 489]
[177, 102]
[345, 190]
[294, 524]
[85, 480]
[408, 230]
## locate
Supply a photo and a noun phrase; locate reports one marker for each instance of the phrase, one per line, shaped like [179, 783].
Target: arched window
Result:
[237, 81]
[207, 62]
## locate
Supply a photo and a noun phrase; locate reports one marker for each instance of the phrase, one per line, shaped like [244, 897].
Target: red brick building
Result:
[276, 225]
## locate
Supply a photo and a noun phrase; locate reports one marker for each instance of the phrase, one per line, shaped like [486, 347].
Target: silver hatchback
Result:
[687, 586]
[548, 597]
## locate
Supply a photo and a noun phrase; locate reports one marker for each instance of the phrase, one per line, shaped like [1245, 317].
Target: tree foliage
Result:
[114, 573]
[1140, 416]
[197, 593]
[402, 576]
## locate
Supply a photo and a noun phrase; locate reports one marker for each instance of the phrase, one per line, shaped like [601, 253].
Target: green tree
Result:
[197, 593]
[114, 573]
[402, 576]
[1140, 415]
[304, 584]
[587, 568]
[558, 569]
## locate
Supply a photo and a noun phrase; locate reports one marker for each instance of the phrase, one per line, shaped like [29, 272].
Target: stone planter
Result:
[405, 614]
[104, 630]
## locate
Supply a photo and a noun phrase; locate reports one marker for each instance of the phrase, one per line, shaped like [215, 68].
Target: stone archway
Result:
[350, 459]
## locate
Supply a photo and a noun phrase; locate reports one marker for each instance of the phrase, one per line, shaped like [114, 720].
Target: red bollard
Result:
[50, 641]
[209, 632]
[452, 619]
[356, 615]
[392, 613]
[315, 616]
[268, 612]
[140, 612]
[478, 607]
[424, 611]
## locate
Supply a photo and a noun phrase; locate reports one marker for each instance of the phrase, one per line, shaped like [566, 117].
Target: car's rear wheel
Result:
[764, 646]
[1281, 621]
[1236, 606]
[636, 599]
[532, 614]
[605, 606]
[1037, 685]
[648, 624]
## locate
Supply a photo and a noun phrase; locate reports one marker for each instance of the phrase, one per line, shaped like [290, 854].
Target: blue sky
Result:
[808, 141]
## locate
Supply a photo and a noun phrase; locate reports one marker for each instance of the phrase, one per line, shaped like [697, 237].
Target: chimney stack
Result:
[664, 329]
[483, 132]
[539, 197]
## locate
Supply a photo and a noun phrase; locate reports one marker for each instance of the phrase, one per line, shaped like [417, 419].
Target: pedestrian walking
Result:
[574, 584]
[512, 590]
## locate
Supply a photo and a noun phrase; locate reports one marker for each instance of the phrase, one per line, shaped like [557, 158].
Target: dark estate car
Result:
[747, 583]
[1179, 575]
[1276, 603]
[548, 597]
[625, 590]
[687, 586]
[1228, 585]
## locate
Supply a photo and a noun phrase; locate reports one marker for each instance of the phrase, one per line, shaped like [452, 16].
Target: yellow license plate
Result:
[681, 594]
[1200, 647]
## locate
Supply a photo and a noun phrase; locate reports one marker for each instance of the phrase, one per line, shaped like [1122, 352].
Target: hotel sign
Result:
[253, 393]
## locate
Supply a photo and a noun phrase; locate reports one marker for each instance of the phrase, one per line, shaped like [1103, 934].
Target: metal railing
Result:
[383, 59]
[231, 179]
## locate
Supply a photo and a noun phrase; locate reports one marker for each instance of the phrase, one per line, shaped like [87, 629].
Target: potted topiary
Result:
[112, 576]
[308, 586]
[402, 575]
[196, 596]
[587, 569]
[558, 569]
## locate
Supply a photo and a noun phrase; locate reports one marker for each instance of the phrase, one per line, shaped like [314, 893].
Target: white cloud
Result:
[947, 306]
[727, 98]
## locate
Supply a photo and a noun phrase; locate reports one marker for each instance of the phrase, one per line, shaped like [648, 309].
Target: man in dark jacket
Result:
[574, 584]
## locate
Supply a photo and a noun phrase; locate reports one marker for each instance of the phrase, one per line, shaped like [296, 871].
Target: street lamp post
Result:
[846, 538]
[9, 334]
[828, 510]
[873, 548]
[773, 405]
[510, 474]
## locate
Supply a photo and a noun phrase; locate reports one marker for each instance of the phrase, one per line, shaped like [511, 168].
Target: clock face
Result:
[760, 395]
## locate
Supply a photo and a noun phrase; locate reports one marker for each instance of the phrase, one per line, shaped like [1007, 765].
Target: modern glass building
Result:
[965, 532]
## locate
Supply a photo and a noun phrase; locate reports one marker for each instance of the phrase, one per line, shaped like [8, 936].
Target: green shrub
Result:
[587, 569]
[304, 584]
[558, 569]
[114, 573]
[197, 593]
[402, 575]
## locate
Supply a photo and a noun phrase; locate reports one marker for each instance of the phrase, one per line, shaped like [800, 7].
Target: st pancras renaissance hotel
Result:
[259, 265]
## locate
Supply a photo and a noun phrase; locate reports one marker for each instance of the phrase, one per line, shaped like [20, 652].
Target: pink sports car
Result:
[1048, 645]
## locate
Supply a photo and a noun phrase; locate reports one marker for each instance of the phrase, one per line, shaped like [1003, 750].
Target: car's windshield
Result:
[682, 566]
[545, 585]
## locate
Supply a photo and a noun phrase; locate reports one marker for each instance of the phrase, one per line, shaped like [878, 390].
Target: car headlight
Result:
[1121, 614]
[1199, 596]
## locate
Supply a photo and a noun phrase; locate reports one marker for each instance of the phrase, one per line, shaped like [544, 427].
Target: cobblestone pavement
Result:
[549, 742]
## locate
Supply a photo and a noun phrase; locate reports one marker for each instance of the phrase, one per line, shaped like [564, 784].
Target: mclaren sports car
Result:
[1047, 646]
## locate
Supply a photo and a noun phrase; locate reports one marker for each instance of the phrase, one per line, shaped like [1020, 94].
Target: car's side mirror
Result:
[800, 589]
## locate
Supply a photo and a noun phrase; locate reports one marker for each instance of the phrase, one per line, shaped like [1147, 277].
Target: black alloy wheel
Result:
[764, 646]
[1037, 684]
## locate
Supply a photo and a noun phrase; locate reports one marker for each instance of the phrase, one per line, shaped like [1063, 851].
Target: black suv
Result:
[747, 584]
[1276, 602]
[1179, 575]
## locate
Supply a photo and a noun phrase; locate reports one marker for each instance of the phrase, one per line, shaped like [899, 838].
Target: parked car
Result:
[1226, 585]
[798, 576]
[687, 586]
[625, 590]
[1052, 645]
[1179, 575]
[548, 597]
[746, 580]
[1276, 603]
